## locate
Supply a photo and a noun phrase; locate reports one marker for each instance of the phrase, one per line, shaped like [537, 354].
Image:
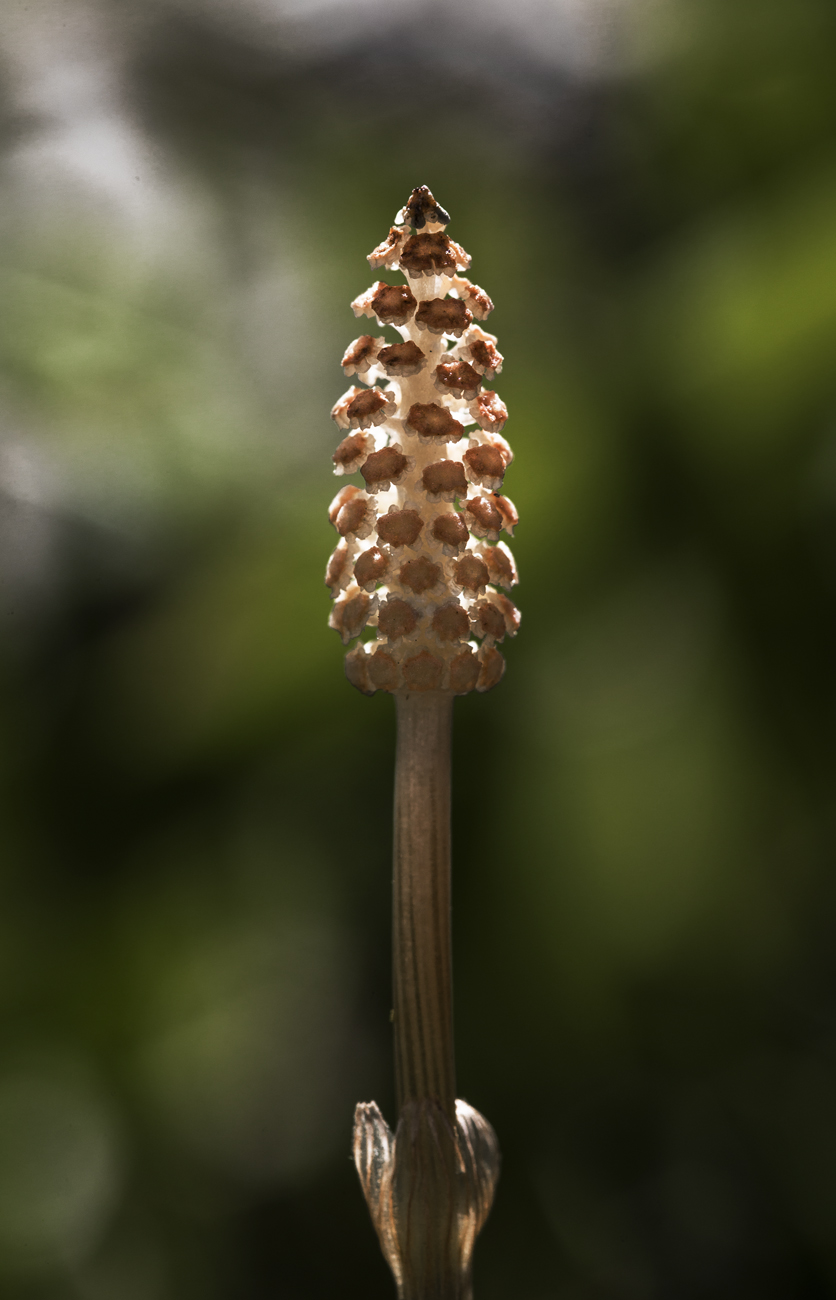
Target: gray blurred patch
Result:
[60, 1167]
[624, 671]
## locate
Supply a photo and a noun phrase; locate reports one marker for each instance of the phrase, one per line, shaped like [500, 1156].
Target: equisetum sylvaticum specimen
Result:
[416, 580]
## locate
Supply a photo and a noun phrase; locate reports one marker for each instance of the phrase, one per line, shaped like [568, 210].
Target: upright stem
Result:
[429, 1186]
[423, 985]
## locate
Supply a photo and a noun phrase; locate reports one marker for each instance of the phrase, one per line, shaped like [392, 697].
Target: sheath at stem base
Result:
[429, 1188]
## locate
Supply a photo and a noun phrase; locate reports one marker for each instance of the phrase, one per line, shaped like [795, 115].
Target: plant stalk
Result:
[430, 1184]
[422, 952]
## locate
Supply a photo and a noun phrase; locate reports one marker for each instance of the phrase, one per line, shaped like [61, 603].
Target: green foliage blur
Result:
[195, 806]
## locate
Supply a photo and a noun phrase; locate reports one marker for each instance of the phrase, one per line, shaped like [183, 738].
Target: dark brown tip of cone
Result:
[421, 207]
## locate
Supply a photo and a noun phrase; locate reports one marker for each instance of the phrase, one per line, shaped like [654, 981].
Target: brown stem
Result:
[423, 985]
[429, 1186]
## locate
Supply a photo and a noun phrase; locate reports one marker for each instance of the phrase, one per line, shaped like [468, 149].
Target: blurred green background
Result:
[194, 861]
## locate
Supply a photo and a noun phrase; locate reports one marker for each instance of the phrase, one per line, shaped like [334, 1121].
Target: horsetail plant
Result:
[420, 565]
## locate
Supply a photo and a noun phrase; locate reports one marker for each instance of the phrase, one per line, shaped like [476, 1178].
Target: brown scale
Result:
[508, 511]
[349, 614]
[383, 671]
[489, 411]
[510, 613]
[393, 303]
[433, 253]
[464, 672]
[483, 516]
[430, 420]
[370, 567]
[363, 408]
[477, 300]
[444, 316]
[351, 451]
[384, 467]
[420, 575]
[445, 479]
[484, 462]
[396, 618]
[336, 566]
[450, 530]
[450, 622]
[338, 410]
[500, 565]
[488, 620]
[485, 355]
[361, 352]
[342, 498]
[387, 253]
[471, 573]
[352, 517]
[402, 359]
[400, 527]
[493, 666]
[458, 377]
[423, 672]
[356, 670]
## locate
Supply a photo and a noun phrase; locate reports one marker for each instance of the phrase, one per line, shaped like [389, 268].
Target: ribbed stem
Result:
[422, 959]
